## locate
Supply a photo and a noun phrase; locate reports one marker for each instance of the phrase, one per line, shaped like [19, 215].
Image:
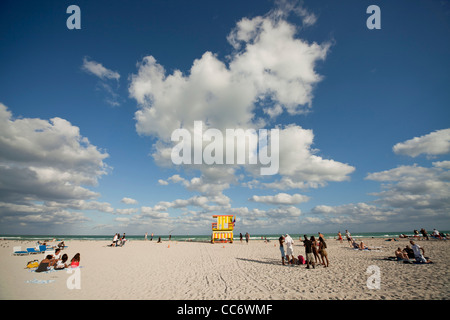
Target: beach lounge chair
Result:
[17, 251]
[32, 251]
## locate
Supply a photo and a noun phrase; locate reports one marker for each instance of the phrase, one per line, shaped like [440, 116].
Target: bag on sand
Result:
[301, 260]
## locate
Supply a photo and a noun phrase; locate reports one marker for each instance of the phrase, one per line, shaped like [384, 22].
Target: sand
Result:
[238, 271]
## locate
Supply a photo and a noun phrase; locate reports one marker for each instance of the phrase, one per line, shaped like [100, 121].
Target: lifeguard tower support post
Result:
[222, 229]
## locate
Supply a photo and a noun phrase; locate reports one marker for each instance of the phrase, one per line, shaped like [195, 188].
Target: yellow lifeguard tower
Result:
[222, 229]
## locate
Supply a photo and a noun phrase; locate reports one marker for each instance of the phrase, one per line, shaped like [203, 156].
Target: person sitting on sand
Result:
[75, 262]
[62, 264]
[57, 255]
[354, 244]
[46, 264]
[123, 240]
[409, 252]
[419, 253]
[61, 245]
[401, 255]
[436, 234]
[362, 246]
[114, 241]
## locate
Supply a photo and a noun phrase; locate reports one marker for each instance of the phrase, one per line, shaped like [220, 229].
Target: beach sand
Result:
[238, 271]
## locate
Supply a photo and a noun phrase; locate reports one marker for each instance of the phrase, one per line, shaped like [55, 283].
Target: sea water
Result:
[200, 238]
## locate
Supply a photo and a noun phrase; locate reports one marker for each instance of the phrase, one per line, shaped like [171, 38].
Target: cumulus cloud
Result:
[409, 194]
[270, 64]
[46, 164]
[434, 143]
[271, 70]
[415, 187]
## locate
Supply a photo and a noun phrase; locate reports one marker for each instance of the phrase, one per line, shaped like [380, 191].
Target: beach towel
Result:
[32, 264]
[39, 281]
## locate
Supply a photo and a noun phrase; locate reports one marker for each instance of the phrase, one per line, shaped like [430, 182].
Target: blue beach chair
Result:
[32, 251]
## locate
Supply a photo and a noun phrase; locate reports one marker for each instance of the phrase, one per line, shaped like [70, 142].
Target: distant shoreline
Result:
[205, 238]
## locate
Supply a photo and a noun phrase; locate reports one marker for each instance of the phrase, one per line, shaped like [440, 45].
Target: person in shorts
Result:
[289, 249]
[308, 252]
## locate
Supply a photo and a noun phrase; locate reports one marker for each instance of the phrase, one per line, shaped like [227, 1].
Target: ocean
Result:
[200, 238]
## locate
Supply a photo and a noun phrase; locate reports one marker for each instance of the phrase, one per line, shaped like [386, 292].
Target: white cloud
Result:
[299, 162]
[273, 65]
[434, 143]
[410, 195]
[270, 71]
[281, 199]
[49, 162]
[127, 211]
[162, 182]
[105, 75]
[128, 200]
[415, 187]
[99, 70]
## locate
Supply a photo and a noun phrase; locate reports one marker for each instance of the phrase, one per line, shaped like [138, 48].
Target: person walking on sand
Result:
[247, 237]
[349, 237]
[240, 236]
[339, 237]
[283, 255]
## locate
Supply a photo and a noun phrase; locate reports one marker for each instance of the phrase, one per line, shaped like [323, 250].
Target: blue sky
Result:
[87, 114]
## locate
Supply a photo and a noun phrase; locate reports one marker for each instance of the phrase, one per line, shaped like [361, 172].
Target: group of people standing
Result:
[315, 251]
